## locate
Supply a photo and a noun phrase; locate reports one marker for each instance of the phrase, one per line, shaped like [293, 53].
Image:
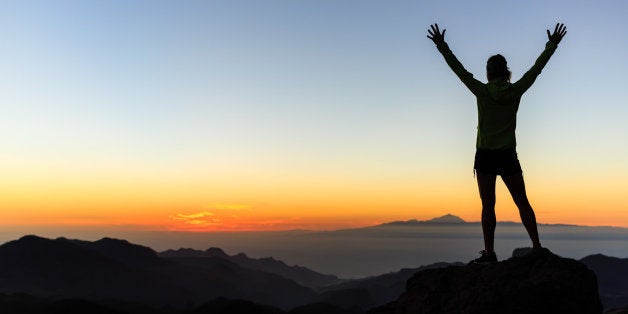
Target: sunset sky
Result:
[275, 115]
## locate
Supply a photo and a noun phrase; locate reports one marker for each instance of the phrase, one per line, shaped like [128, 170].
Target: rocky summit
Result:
[538, 282]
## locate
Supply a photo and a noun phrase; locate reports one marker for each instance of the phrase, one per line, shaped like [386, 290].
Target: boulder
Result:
[538, 282]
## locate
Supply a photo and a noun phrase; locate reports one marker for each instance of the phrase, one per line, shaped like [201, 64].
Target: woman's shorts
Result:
[497, 162]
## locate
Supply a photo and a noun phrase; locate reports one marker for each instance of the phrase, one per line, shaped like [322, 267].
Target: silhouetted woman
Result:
[498, 102]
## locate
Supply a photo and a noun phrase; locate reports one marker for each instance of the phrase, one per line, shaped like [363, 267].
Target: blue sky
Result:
[282, 91]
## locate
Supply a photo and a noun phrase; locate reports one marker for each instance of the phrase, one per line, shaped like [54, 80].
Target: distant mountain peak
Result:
[449, 218]
[215, 251]
[32, 237]
[112, 242]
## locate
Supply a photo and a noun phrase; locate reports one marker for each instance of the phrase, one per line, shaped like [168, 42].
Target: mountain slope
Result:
[302, 275]
[612, 275]
[116, 269]
[379, 289]
[216, 275]
[57, 267]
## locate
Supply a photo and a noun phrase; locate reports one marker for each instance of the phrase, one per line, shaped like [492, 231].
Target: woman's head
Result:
[497, 68]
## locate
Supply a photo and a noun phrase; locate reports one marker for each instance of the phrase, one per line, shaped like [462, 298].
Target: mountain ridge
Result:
[94, 270]
[453, 219]
[43, 266]
[299, 274]
[446, 219]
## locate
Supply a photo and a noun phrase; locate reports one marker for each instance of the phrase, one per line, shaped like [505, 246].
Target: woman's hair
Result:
[497, 68]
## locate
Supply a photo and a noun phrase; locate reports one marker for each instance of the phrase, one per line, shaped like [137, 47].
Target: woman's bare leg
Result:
[486, 185]
[517, 189]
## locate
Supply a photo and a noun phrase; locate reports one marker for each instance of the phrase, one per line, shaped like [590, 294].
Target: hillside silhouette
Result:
[116, 269]
[379, 290]
[302, 275]
[41, 266]
[612, 276]
[115, 275]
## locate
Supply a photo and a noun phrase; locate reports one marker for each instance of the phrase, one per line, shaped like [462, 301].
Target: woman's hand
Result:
[435, 35]
[559, 32]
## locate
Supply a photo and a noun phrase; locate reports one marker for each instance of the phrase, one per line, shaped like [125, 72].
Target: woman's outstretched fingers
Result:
[559, 32]
[435, 35]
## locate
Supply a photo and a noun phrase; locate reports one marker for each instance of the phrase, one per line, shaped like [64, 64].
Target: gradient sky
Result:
[261, 115]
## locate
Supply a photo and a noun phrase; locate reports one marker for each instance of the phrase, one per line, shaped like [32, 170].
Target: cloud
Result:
[240, 217]
[193, 216]
[214, 216]
[200, 219]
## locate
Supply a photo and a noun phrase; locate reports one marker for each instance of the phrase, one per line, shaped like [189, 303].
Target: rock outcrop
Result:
[539, 282]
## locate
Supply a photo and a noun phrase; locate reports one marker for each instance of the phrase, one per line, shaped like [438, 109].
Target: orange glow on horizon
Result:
[265, 203]
[220, 220]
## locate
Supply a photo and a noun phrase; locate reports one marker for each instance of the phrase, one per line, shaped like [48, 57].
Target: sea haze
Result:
[362, 252]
